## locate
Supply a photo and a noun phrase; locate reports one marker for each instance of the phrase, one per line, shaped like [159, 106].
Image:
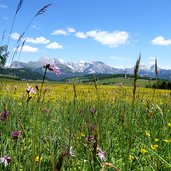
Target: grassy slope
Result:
[112, 81]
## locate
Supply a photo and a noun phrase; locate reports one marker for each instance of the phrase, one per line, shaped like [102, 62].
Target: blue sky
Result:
[112, 31]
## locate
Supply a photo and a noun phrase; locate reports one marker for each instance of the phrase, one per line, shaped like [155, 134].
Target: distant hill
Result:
[71, 69]
[20, 73]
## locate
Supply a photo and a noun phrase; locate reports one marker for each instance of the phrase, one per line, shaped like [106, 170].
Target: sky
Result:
[112, 31]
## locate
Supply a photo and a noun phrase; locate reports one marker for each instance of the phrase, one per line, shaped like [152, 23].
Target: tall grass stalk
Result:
[43, 80]
[14, 18]
[156, 68]
[136, 68]
[156, 75]
[95, 82]
[40, 12]
[3, 36]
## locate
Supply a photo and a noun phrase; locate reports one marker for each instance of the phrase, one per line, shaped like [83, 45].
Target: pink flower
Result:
[4, 115]
[30, 90]
[93, 110]
[89, 138]
[55, 69]
[101, 154]
[5, 160]
[47, 66]
[15, 134]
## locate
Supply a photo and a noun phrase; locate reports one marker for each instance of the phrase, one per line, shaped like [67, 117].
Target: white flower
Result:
[70, 152]
[5, 160]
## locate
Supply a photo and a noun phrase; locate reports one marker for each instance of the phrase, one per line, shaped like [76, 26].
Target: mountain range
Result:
[71, 69]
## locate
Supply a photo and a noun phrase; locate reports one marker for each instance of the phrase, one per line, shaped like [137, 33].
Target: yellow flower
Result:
[167, 141]
[147, 133]
[82, 134]
[131, 158]
[37, 158]
[156, 140]
[154, 147]
[143, 151]
[169, 124]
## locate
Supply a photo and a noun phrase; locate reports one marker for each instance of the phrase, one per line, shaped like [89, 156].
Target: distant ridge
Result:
[71, 69]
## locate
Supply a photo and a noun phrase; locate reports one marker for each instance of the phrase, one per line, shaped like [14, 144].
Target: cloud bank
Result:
[54, 45]
[160, 40]
[28, 49]
[110, 39]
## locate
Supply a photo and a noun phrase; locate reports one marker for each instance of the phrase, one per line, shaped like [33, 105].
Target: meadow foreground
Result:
[83, 127]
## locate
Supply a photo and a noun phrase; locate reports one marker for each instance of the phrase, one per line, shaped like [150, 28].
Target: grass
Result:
[128, 137]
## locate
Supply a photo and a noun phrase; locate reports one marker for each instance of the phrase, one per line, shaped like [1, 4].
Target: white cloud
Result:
[3, 6]
[29, 49]
[38, 40]
[81, 35]
[54, 45]
[64, 32]
[71, 30]
[160, 40]
[15, 36]
[110, 39]
[59, 32]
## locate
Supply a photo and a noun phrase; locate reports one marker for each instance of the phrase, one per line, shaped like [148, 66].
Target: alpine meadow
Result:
[102, 123]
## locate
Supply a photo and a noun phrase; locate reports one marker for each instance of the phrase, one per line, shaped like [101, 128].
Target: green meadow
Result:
[84, 127]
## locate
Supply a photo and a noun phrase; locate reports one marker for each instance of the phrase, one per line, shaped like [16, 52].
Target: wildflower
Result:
[147, 134]
[4, 115]
[101, 154]
[15, 134]
[82, 134]
[85, 161]
[154, 147]
[38, 158]
[89, 138]
[5, 160]
[131, 158]
[37, 88]
[15, 89]
[143, 151]
[156, 140]
[70, 153]
[169, 125]
[8, 88]
[30, 90]
[47, 66]
[93, 110]
[167, 141]
[55, 69]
